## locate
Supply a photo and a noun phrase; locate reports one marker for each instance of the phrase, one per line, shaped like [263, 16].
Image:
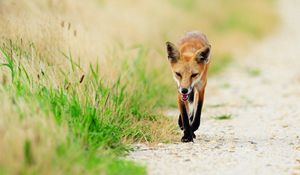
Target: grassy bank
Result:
[80, 80]
[85, 119]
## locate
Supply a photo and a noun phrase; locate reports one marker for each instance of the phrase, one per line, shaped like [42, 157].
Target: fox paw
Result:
[187, 138]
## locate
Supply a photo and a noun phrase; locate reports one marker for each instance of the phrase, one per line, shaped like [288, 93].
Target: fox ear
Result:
[173, 53]
[202, 56]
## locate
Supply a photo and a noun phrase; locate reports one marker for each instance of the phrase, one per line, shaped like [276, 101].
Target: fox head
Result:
[189, 65]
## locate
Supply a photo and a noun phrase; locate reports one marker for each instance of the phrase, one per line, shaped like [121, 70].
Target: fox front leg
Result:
[187, 130]
[197, 115]
[180, 124]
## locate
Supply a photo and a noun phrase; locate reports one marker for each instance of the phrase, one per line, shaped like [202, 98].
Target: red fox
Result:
[189, 63]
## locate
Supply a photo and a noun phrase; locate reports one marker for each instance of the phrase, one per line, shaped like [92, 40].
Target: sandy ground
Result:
[262, 93]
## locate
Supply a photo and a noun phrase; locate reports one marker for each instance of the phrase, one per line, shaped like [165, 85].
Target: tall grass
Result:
[80, 80]
[99, 117]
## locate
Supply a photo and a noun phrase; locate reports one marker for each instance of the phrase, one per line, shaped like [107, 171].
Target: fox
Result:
[189, 60]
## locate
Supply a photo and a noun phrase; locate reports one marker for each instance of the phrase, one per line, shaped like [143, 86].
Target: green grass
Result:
[186, 5]
[223, 117]
[239, 21]
[217, 105]
[98, 116]
[121, 167]
[225, 86]
[254, 72]
[28, 153]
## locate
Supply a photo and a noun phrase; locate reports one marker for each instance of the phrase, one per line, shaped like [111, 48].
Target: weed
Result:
[223, 117]
[226, 85]
[28, 155]
[9, 63]
[217, 105]
[247, 99]
[254, 72]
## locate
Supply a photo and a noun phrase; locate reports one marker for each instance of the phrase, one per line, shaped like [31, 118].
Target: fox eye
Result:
[194, 75]
[178, 74]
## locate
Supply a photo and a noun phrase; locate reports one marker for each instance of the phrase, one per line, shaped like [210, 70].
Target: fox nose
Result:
[184, 90]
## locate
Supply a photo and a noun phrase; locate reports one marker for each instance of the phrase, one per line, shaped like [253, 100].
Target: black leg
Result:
[191, 120]
[192, 116]
[181, 125]
[197, 117]
[180, 122]
[187, 130]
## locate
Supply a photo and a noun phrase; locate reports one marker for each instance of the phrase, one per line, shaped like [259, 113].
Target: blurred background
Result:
[80, 80]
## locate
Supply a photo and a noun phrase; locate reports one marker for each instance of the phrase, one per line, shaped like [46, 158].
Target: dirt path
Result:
[262, 93]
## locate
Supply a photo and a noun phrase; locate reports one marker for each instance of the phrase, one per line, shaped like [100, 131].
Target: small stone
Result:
[160, 144]
[252, 142]
[285, 126]
[217, 147]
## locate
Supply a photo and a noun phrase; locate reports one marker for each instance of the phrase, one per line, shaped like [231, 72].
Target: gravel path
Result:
[261, 92]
